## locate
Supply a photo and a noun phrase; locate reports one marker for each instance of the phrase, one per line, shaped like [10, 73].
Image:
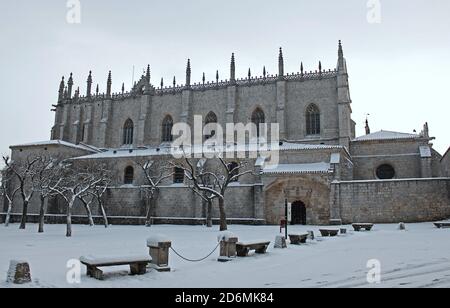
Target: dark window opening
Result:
[313, 120]
[385, 172]
[178, 176]
[128, 131]
[167, 129]
[129, 176]
[258, 118]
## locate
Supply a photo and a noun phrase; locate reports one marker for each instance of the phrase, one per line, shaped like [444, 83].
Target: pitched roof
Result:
[167, 150]
[387, 135]
[57, 142]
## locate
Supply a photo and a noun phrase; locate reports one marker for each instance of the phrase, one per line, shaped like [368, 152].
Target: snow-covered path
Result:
[418, 257]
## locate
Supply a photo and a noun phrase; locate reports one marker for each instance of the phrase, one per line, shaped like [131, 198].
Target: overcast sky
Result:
[399, 68]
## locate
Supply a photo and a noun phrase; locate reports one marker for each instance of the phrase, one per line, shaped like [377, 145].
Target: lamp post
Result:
[285, 214]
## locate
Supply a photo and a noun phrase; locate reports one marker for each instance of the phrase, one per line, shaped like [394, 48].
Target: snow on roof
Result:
[425, 152]
[298, 168]
[207, 149]
[57, 142]
[387, 135]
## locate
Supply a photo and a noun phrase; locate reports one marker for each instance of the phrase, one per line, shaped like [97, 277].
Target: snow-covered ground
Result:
[418, 257]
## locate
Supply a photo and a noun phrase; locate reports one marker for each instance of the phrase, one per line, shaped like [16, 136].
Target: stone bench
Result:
[442, 225]
[138, 265]
[244, 248]
[329, 232]
[297, 239]
[365, 226]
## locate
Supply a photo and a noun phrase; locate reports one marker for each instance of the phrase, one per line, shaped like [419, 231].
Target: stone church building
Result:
[326, 171]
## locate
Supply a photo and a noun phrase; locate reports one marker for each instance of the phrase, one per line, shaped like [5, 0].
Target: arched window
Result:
[211, 118]
[167, 126]
[385, 172]
[312, 120]
[178, 176]
[128, 178]
[233, 168]
[258, 117]
[128, 131]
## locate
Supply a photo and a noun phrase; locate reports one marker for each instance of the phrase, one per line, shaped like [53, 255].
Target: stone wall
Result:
[394, 201]
[403, 155]
[445, 164]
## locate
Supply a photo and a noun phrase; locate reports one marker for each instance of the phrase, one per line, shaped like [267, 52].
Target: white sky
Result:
[398, 68]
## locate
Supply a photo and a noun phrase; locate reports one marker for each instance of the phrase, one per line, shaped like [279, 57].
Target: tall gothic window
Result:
[211, 118]
[312, 120]
[167, 126]
[128, 178]
[258, 117]
[128, 131]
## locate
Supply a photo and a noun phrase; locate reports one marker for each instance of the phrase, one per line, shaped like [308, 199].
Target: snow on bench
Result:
[329, 232]
[244, 248]
[365, 226]
[442, 225]
[138, 264]
[297, 239]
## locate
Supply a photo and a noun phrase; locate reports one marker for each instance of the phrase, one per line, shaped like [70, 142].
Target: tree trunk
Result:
[105, 218]
[223, 215]
[148, 220]
[8, 213]
[23, 221]
[89, 213]
[42, 215]
[69, 221]
[209, 222]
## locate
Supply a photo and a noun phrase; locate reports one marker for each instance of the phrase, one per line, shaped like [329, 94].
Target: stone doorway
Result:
[298, 213]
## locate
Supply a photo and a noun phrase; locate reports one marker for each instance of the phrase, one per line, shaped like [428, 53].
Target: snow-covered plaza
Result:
[417, 257]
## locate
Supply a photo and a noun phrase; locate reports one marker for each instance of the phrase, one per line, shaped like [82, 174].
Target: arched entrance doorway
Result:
[298, 213]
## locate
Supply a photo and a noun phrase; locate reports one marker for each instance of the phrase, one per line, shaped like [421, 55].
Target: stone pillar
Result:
[228, 248]
[145, 103]
[335, 211]
[19, 272]
[159, 251]
[103, 132]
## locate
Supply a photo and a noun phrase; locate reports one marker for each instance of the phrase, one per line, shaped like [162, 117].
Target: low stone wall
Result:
[131, 221]
[411, 200]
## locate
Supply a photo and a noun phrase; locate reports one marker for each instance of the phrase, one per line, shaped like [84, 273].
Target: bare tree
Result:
[77, 182]
[25, 173]
[155, 173]
[98, 192]
[214, 183]
[48, 175]
[9, 191]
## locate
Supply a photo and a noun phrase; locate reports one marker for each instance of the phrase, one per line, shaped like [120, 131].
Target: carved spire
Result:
[174, 81]
[109, 84]
[65, 92]
[204, 78]
[264, 72]
[77, 93]
[233, 69]
[123, 87]
[148, 75]
[341, 59]
[367, 127]
[89, 85]
[97, 90]
[302, 71]
[70, 85]
[188, 73]
[217, 77]
[61, 89]
[162, 83]
[249, 74]
[281, 65]
[320, 67]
